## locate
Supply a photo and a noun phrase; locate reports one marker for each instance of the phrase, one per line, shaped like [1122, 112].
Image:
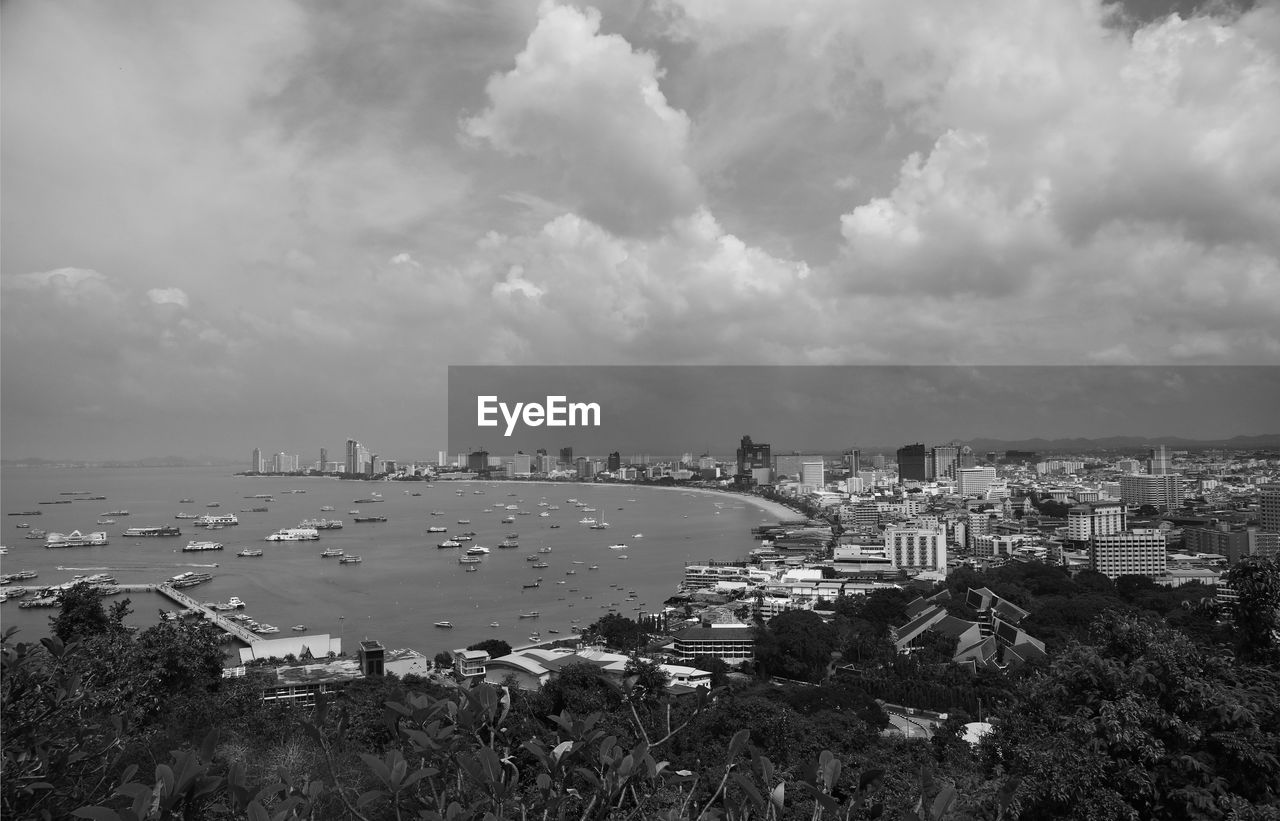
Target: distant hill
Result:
[148, 462]
[1127, 443]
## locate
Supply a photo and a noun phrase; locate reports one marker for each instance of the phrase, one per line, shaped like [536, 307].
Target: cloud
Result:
[168, 296]
[590, 106]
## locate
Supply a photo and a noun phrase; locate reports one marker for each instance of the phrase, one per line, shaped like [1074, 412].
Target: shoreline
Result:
[773, 508]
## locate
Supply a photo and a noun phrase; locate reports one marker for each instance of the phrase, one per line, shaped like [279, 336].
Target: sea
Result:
[405, 583]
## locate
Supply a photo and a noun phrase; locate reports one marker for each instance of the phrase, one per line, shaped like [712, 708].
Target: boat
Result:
[449, 543]
[30, 513]
[513, 507]
[494, 624]
[189, 579]
[553, 527]
[637, 535]
[326, 508]
[594, 567]
[332, 553]
[464, 537]
[506, 520]
[322, 524]
[253, 510]
[617, 547]
[185, 515]
[111, 513]
[350, 560]
[541, 564]
[197, 547]
[586, 520]
[298, 628]
[213, 504]
[76, 539]
[544, 550]
[216, 520]
[508, 543]
[472, 568]
[250, 552]
[370, 518]
[543, 514]
[600, 526]
[469, 560]
[266, 629]
[186, 501]
[236, 603]
[538, 583]
[100, 521]
[570, 572]
[622, 555]
[477, 551]
[513, 535]
[464, 521]
[532, 614]
[552, 630]
[447, 625]
[437, 530]
[294, 534]
[36, 534]
[352, 512]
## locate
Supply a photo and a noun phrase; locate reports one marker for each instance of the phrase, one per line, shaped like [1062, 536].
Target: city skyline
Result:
[290, 219]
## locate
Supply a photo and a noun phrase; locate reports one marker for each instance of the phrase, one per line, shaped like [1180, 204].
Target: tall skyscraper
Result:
[478, 461]
[1158, 463]
[566, 456]
[324, 458]
[1269, 507]
[614, 462]
[812, 475]
[877, 461]
[855, 459]
[353, 450]
[257, 461]
[913, 463]
[1162, 491]
[753, 457]
[945, 459]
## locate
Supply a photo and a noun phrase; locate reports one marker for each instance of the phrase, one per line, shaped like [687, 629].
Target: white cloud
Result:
[590, 107]
[168, 296]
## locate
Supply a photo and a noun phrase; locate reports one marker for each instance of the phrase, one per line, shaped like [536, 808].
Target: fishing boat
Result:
[332, 553]
[447, 625]
[538, 583]
[250, 552]
[350, 560]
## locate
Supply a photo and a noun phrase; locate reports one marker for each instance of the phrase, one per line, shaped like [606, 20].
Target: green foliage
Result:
[496, 648]
[1143, 724]
[618, 632]
[80, 613]
[1256, 580]
[797, 644]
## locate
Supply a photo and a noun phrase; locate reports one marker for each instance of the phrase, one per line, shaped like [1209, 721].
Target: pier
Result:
[243, 634]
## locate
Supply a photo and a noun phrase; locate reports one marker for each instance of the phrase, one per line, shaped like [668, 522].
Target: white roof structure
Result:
[319, 645]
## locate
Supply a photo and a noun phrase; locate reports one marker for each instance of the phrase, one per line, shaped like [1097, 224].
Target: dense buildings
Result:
[1269, 507]
[913, 463]
[973, 482]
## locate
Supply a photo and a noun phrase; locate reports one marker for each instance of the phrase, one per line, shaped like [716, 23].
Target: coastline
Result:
[772, 508]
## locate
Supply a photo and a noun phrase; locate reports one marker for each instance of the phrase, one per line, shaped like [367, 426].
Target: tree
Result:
[801, 648]
[496, 648]
[1256, 581]
[619, 632]
[1141, 724]
[80, 613]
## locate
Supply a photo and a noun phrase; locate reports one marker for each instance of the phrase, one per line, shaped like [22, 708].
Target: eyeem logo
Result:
[558, 412]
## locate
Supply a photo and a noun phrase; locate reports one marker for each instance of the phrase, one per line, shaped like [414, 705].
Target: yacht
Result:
[477, 551]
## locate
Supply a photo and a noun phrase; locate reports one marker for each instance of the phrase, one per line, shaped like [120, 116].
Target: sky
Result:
[241, 224]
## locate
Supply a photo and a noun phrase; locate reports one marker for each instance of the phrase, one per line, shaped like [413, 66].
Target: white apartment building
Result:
[1163, 491]
[973, 482]
[917, 548]
[1129, 553]
[1095, 519]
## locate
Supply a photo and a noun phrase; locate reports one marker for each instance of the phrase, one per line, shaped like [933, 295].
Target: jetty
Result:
[243, 634]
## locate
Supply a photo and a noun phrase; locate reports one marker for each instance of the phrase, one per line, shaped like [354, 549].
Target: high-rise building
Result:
[324, 458]
[968, 458]
[257, 461]
[478, 461]
[945, 459]
[614, 462]
[1095, 519]
[755, 461]
[877, 461]
[1158, 463]
[1129, 553]
[853, 460]
[913, 463]
[812, 475]
[917, 548]
[566, 456]
[1162, 491]
[521, 464]
[1269, 507]
[973, 482]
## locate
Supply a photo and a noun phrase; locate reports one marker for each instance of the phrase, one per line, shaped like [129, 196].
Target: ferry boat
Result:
[294, 534]
[332, 553]
[350, 560]
[76, 539]
[477, 551]
[449, 543]
[162, 530]
[617, 547]
[196, 547]
[189, 579]
[110, 513]
[250, 552]
[469, 560]
[541, 564]
[215, 520]
[370, 518]
[437, 530]
[509, 543]
[322, 524]
[185, 515]
[447, 625]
